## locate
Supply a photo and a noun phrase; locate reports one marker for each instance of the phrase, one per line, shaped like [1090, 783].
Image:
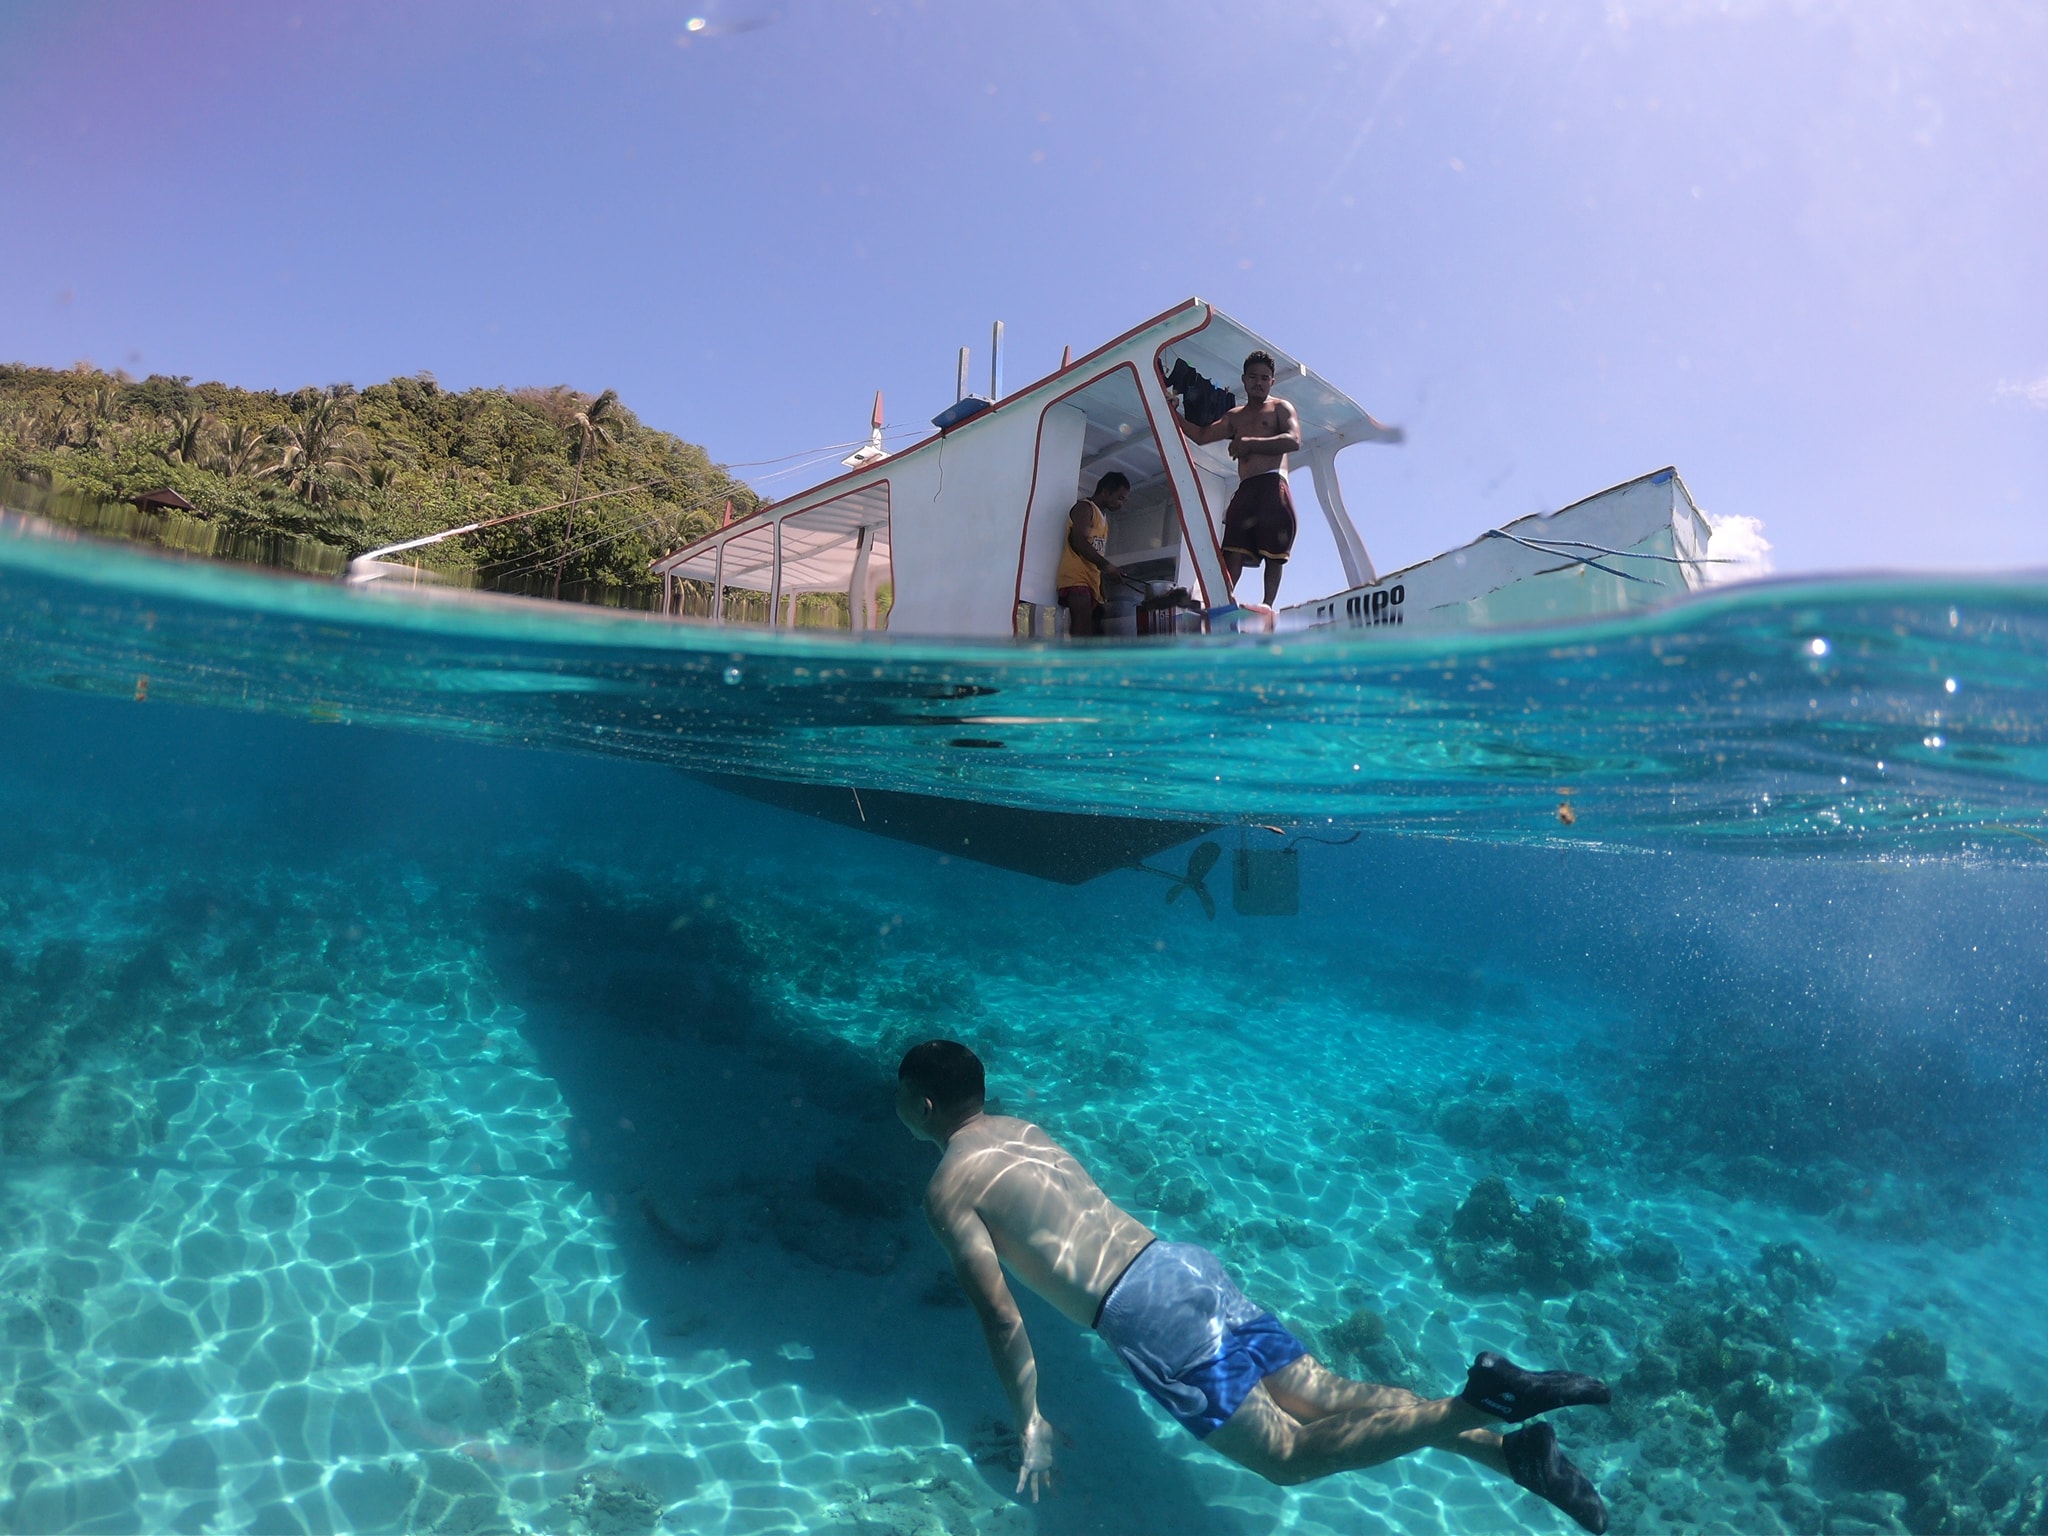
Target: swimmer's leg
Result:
[1233, 567]
[1265, 1438]
[1270, 1441]
[1275, 569]
[1309, 1390]
[1498, 1387]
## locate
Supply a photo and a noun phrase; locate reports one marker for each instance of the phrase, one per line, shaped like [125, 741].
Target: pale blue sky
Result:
[1799, 250]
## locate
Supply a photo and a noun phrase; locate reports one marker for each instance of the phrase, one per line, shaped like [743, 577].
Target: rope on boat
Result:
[510, 517]
[825, 451]
[541, 562]
[910, 431]
[1602, 549]
[555, 506]
[1559, 554]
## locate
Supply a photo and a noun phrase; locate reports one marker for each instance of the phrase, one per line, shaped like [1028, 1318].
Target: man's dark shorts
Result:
[1259, 523]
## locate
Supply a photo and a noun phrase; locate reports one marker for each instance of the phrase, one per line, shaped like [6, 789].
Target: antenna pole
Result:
[995, 363]
[960, 382]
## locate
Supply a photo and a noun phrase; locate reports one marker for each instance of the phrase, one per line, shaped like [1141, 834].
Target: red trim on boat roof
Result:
[1015, 395]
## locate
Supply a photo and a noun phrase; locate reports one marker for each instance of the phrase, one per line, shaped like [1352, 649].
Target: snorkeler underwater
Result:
[1058, 770]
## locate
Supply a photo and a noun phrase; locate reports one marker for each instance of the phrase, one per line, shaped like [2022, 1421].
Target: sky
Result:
[1797, 249]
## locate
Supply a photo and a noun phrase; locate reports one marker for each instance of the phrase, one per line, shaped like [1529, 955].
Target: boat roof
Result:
[819, 556]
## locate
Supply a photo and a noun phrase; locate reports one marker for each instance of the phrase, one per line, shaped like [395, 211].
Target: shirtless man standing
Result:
[1259, 523]
[1005, 1194]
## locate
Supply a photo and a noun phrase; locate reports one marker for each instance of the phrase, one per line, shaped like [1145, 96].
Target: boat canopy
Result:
[819, 548]
[1330, 419]
[964, 529]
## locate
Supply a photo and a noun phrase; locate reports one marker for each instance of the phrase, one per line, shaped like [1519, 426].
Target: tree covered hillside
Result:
[358, 469]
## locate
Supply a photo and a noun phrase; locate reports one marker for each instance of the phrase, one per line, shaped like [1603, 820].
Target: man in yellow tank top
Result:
[1082, 561]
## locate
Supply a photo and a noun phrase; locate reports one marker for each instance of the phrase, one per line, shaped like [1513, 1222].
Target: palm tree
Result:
[322, 443]
[593, 428]
[98, 428]
[236, 449]
[188, 430]
[33, 428]
[56, 427]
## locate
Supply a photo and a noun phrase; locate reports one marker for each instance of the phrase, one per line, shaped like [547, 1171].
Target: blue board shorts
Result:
[1189, 1335]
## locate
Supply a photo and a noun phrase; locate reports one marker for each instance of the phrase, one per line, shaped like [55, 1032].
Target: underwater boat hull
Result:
[1066, 847]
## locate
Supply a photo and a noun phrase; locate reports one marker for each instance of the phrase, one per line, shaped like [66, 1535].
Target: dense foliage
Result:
[358, 469]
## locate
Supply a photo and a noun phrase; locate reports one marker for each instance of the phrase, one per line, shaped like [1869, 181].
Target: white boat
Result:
[961, 534]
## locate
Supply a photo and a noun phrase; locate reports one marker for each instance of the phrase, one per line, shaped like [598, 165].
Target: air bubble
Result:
[732, 677]
[1949, 684]
[1817, 646]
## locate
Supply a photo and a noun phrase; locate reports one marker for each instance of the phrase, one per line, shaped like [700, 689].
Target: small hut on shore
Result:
[161, 501]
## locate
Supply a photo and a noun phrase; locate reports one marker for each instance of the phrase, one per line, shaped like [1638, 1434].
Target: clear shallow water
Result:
[1879, 715]
[408, 1129]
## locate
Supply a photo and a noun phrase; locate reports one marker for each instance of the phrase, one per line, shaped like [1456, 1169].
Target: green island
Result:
[312, 478]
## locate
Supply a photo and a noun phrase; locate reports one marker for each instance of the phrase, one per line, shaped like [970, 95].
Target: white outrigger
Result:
[963, 531]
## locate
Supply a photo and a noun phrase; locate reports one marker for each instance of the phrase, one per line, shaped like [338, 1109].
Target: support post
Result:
[1358, 570]
[856, 589]
[775, 582]
[718, 587]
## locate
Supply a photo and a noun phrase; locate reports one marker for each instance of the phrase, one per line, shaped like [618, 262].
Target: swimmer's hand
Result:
[1036, 1472]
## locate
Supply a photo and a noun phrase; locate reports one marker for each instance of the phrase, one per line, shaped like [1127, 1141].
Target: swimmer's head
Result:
[938, 1084]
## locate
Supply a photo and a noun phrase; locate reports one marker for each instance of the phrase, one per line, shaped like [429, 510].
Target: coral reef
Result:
[1496, 1244]
[604, 1506]
[1175, 1191]
[453, 1496]
[1532, 1131]
[554, 1387]
[924, 1500]
[1920, 1455]
[1362, 1345]
[87, 1116]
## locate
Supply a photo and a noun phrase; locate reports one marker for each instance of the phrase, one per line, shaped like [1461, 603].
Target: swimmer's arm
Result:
[973, 1253]
[1286, 440]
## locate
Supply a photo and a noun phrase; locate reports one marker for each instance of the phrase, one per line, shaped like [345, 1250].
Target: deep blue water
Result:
[414, 1086]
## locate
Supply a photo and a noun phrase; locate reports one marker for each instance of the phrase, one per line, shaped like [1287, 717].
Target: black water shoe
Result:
[1498, 1386]
[1538, 1465]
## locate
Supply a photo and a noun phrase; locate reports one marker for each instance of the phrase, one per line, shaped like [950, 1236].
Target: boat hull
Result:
[1635, 546]
[1064, 847]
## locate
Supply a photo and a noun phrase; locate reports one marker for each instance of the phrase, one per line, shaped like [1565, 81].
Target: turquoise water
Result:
[414, 1088]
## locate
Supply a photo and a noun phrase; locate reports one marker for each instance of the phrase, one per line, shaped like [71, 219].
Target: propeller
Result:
[1200, 862]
